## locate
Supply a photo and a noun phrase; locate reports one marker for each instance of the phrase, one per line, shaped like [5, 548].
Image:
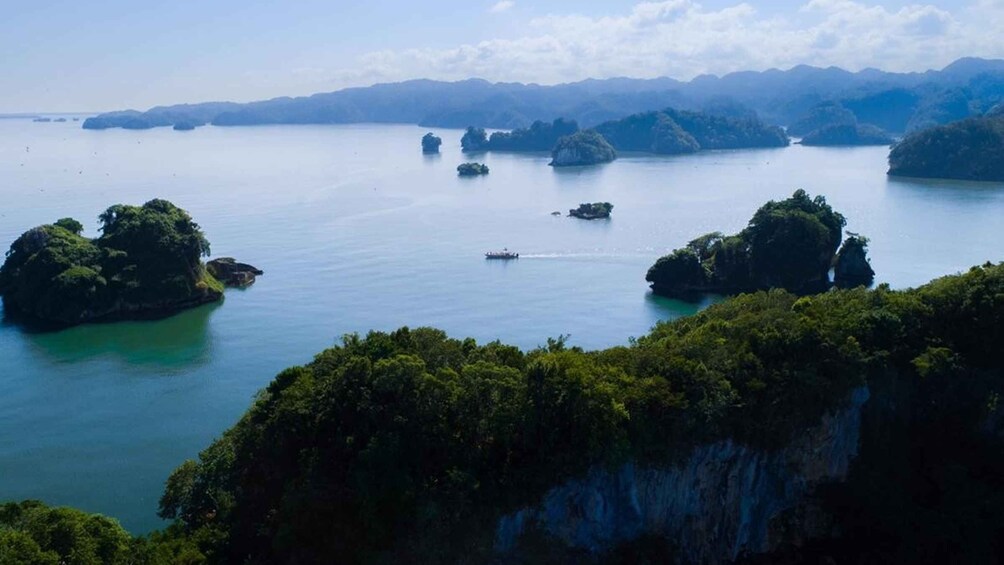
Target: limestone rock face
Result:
[231, 273]
[723, 501]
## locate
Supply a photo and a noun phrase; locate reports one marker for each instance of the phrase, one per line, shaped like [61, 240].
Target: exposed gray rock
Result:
[231, 273]
[723, 501]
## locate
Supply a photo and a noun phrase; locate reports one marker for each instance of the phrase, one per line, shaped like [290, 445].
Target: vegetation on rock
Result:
[582, 148]
[472, 169]
[851, 266]
[431, 143]
[847, 135]
[673, 132]
[823, 115]
[971, 149]
[32, 533]
[474, 139]
[594, 211]
[409, 443]
[789, 244]
[540, 136]
[147, 262]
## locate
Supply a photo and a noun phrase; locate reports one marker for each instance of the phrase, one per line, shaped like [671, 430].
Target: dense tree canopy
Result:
[971, 149]
[592, 211]
[847, 135]
[431, 143]
[32, 533]
[411, 443]
[540, 136]
[582, 148]
[472, 169]
[790, 244]
[673, 132]
[474, 139]
[823, 115]
[147, 261]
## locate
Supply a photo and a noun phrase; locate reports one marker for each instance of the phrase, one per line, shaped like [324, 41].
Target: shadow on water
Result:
[672, 308]
[963, 189]
[576, 175]
[181, 340]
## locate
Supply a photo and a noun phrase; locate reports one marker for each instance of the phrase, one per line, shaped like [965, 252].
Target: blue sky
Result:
[93, 55]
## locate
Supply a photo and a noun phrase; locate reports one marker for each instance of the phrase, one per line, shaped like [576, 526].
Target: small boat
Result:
[504, 254]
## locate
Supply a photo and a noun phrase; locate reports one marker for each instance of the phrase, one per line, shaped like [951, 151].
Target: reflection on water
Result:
[673, 308]
[179, 340]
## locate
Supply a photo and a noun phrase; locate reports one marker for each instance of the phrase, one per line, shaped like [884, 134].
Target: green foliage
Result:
[971, 149]
[847, 135]
[821, 116]
[31, 532]
[788, 244]
[582, 148]
[592, 211]
[431, 143]
[673, 132]
[405, 441]
[474, 139]
[472, 169]
[851, 266]
[540, 136]
[70, 225]
[148, 258]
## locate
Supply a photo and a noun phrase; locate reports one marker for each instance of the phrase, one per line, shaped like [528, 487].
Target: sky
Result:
[97, 55]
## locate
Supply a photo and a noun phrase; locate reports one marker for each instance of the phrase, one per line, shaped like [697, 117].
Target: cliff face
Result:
[723, 501]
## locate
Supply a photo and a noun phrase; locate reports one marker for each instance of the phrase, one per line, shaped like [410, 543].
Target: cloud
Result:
[502, 6]
[682, 39]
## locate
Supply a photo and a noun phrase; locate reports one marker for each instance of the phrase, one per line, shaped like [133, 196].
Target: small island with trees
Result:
[146, 264]
[585, 147]
[472, 169]
[431, 143]
[971, 149]
[791, 244]
[594, 211]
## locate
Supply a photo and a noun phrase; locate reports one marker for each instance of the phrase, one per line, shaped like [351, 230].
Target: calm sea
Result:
[357, 230]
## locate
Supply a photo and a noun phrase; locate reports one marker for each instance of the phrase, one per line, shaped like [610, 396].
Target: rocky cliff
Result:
[723, 501]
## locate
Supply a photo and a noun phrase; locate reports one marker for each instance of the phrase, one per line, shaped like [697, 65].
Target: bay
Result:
[357, 230]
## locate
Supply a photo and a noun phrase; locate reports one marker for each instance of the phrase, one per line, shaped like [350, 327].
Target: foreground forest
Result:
[410, 446]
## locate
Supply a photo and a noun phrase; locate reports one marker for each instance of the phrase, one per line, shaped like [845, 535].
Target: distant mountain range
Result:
[896, 102]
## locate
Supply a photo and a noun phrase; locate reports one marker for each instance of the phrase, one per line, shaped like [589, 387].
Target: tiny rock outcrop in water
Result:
[231, 273]
[723, 501]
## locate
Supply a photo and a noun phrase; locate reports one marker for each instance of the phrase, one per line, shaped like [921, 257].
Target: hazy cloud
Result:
[682, 39]
[502, 6]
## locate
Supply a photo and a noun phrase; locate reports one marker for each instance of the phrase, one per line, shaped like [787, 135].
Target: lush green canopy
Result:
[147, 260]
[431, 143]
[582, 148]
[971, 149]
[474, 139]
[411, 443]
[540, 136]
[789, 244]
[472, 169]
[672, 132]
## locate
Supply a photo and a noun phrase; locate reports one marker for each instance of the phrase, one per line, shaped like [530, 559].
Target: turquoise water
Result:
[357, 230]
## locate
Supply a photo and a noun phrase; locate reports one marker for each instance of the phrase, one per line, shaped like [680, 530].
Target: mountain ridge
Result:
[779, 96]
